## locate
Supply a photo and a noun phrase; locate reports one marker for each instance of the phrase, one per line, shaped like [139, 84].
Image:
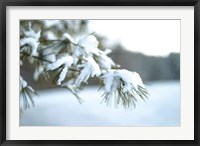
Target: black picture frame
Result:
[5, 3]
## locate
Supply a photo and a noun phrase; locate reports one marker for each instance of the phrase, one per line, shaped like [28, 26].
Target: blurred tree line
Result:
[151, 68]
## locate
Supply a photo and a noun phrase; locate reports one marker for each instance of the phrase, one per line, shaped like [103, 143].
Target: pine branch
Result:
[45, 60]
[88, 60]
[66, 41]
[36, 57]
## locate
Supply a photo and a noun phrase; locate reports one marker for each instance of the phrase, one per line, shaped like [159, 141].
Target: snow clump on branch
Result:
[93, 61]
[26, 94]
[31, 39]
[88, 47]
[66, 62]
[124, 85]
[90, 69]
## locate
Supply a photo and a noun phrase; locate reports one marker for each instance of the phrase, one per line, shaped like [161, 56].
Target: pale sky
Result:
[151, 37]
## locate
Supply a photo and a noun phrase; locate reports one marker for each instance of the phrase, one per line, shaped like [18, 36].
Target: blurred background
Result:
[149, 47]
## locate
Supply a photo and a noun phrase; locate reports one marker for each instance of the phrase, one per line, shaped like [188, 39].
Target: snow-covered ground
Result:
[60, 108]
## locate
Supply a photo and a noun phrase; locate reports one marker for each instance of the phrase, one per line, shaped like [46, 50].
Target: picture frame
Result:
[3, 108]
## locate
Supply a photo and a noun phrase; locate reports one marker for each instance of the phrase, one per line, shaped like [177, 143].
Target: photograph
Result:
[100, 72]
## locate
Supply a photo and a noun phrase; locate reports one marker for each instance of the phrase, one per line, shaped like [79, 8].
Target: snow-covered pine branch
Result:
[26, 95]
[70, 62]
[90, 69]
[123, 85]
[30, 42]
[65, 63]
